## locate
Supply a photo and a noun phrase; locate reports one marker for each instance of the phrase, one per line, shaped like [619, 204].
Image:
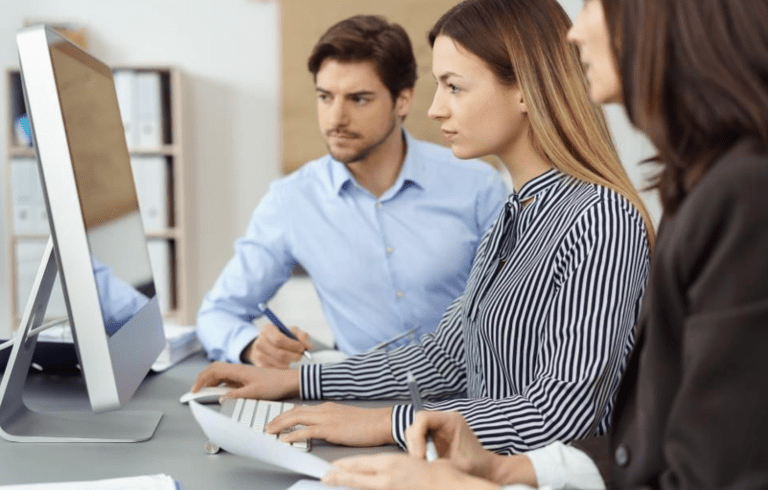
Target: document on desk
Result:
[229, 435]
[150, 482]
[313, 485]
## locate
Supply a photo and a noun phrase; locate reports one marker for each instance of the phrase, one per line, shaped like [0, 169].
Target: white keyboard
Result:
[256, 414]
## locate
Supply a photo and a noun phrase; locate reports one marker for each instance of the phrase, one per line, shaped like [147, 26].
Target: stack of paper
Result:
[151, 482]
[180, 343]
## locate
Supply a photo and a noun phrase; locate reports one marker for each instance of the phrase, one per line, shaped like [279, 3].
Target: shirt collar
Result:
[413, 171]
[538, 184]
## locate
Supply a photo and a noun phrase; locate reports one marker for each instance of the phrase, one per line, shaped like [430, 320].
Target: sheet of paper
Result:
[150, 482]
[229, 435]
[313, 485]
[328, 356]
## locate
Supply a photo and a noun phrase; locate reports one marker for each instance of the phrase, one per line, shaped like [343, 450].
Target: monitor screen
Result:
[104, 180]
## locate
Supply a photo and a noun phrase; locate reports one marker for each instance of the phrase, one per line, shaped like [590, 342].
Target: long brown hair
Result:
[524, 42]
[695, 80]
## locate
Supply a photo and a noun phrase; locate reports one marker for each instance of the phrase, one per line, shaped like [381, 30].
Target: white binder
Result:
[150, 128]
[29, 213]
[150, 175]
[159, 258]
[125, 86]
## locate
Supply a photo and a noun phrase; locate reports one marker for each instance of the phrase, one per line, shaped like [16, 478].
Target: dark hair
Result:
[369, 38]
[695, 80]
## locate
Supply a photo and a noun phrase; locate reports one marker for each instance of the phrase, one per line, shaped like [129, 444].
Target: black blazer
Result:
[692, 409]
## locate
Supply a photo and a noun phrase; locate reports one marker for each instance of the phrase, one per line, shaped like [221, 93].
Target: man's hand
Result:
[272, 348]
[338, 424]
[250, 381]
[401, 472]
[456, 442]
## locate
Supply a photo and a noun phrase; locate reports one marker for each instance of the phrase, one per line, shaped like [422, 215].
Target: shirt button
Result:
[390, 250]
[379, 205]
[400, 294]
[621, 455]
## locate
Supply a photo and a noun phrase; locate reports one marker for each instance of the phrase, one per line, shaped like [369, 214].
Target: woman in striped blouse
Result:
[534, 349]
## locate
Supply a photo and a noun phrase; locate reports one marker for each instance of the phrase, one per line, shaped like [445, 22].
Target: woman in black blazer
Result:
[693, 76]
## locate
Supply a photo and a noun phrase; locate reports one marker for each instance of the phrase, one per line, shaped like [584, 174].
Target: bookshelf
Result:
[158, 165]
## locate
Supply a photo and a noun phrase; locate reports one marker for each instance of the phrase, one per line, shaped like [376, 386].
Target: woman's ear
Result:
[521, 101]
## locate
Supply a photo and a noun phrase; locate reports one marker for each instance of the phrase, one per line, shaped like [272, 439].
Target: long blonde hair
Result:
[524, 42]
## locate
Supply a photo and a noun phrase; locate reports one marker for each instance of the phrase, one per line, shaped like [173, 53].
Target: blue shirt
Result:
[380, 266]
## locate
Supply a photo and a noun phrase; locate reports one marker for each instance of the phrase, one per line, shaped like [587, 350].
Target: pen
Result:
[416, 401]
[279, 325]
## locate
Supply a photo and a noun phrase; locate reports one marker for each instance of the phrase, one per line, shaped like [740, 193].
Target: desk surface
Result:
[176, 449]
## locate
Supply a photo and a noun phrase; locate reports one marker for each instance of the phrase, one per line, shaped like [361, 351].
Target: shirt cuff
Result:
[244, 336]
[558, 466]
[402, 418]
[311, 382]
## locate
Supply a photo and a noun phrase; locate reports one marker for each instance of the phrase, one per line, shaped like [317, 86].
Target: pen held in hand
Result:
[276, 321]
[417, 406]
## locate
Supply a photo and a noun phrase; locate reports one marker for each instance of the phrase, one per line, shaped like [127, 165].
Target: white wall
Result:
[229, 50]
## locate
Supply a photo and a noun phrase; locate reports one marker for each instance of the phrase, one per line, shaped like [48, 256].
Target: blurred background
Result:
[241, 77]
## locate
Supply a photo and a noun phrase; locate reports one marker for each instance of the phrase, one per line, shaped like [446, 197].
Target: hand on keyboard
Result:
[337, 424]
[256, 414]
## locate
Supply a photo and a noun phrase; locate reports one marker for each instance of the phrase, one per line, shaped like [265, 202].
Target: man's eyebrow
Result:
[362, 93]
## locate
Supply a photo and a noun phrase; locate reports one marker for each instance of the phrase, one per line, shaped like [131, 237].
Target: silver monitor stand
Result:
[18, 423]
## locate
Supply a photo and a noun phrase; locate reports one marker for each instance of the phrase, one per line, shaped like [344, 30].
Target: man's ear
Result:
[404, 102]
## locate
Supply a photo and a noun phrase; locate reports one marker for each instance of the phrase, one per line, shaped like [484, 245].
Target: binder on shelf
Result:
[150, 117]
[151, 177]
[29, 213]
[28, 256]
[125, 86]
[159, 259]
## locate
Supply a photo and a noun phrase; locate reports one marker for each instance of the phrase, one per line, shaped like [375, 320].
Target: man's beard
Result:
[365, 152]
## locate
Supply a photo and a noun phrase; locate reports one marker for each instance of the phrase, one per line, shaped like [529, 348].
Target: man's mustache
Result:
[341, 133]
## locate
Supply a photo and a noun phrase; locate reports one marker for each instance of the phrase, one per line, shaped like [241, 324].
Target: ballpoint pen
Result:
[416, 401]
[280, 326]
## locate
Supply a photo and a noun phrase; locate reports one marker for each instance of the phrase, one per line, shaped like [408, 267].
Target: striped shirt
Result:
[534, 349]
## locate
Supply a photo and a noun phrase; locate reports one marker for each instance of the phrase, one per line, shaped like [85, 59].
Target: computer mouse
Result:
[206, 394]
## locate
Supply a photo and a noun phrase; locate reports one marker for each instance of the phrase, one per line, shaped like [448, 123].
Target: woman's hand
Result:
[401, 472]
[456, 442]
[250, 381]
[337, 424]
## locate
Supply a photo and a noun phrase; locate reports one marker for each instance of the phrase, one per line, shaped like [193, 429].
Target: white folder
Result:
[26, 196]
[150, 174]
[125, 86]
[159, 258]
[150, 130]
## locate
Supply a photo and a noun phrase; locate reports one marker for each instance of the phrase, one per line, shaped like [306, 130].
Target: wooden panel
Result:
[303, 22]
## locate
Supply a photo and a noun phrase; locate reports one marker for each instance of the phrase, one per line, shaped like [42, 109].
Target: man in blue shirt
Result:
[385, 225]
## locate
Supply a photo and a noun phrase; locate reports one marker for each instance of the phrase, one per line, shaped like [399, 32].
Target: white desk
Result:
[176, 448]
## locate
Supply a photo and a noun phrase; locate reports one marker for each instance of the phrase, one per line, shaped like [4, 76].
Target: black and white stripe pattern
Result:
[534, 349]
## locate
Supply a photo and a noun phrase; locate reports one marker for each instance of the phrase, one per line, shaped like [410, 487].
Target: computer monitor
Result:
[97, 246]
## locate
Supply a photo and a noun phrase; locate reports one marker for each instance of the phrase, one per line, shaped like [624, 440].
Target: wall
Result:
[229, 50]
